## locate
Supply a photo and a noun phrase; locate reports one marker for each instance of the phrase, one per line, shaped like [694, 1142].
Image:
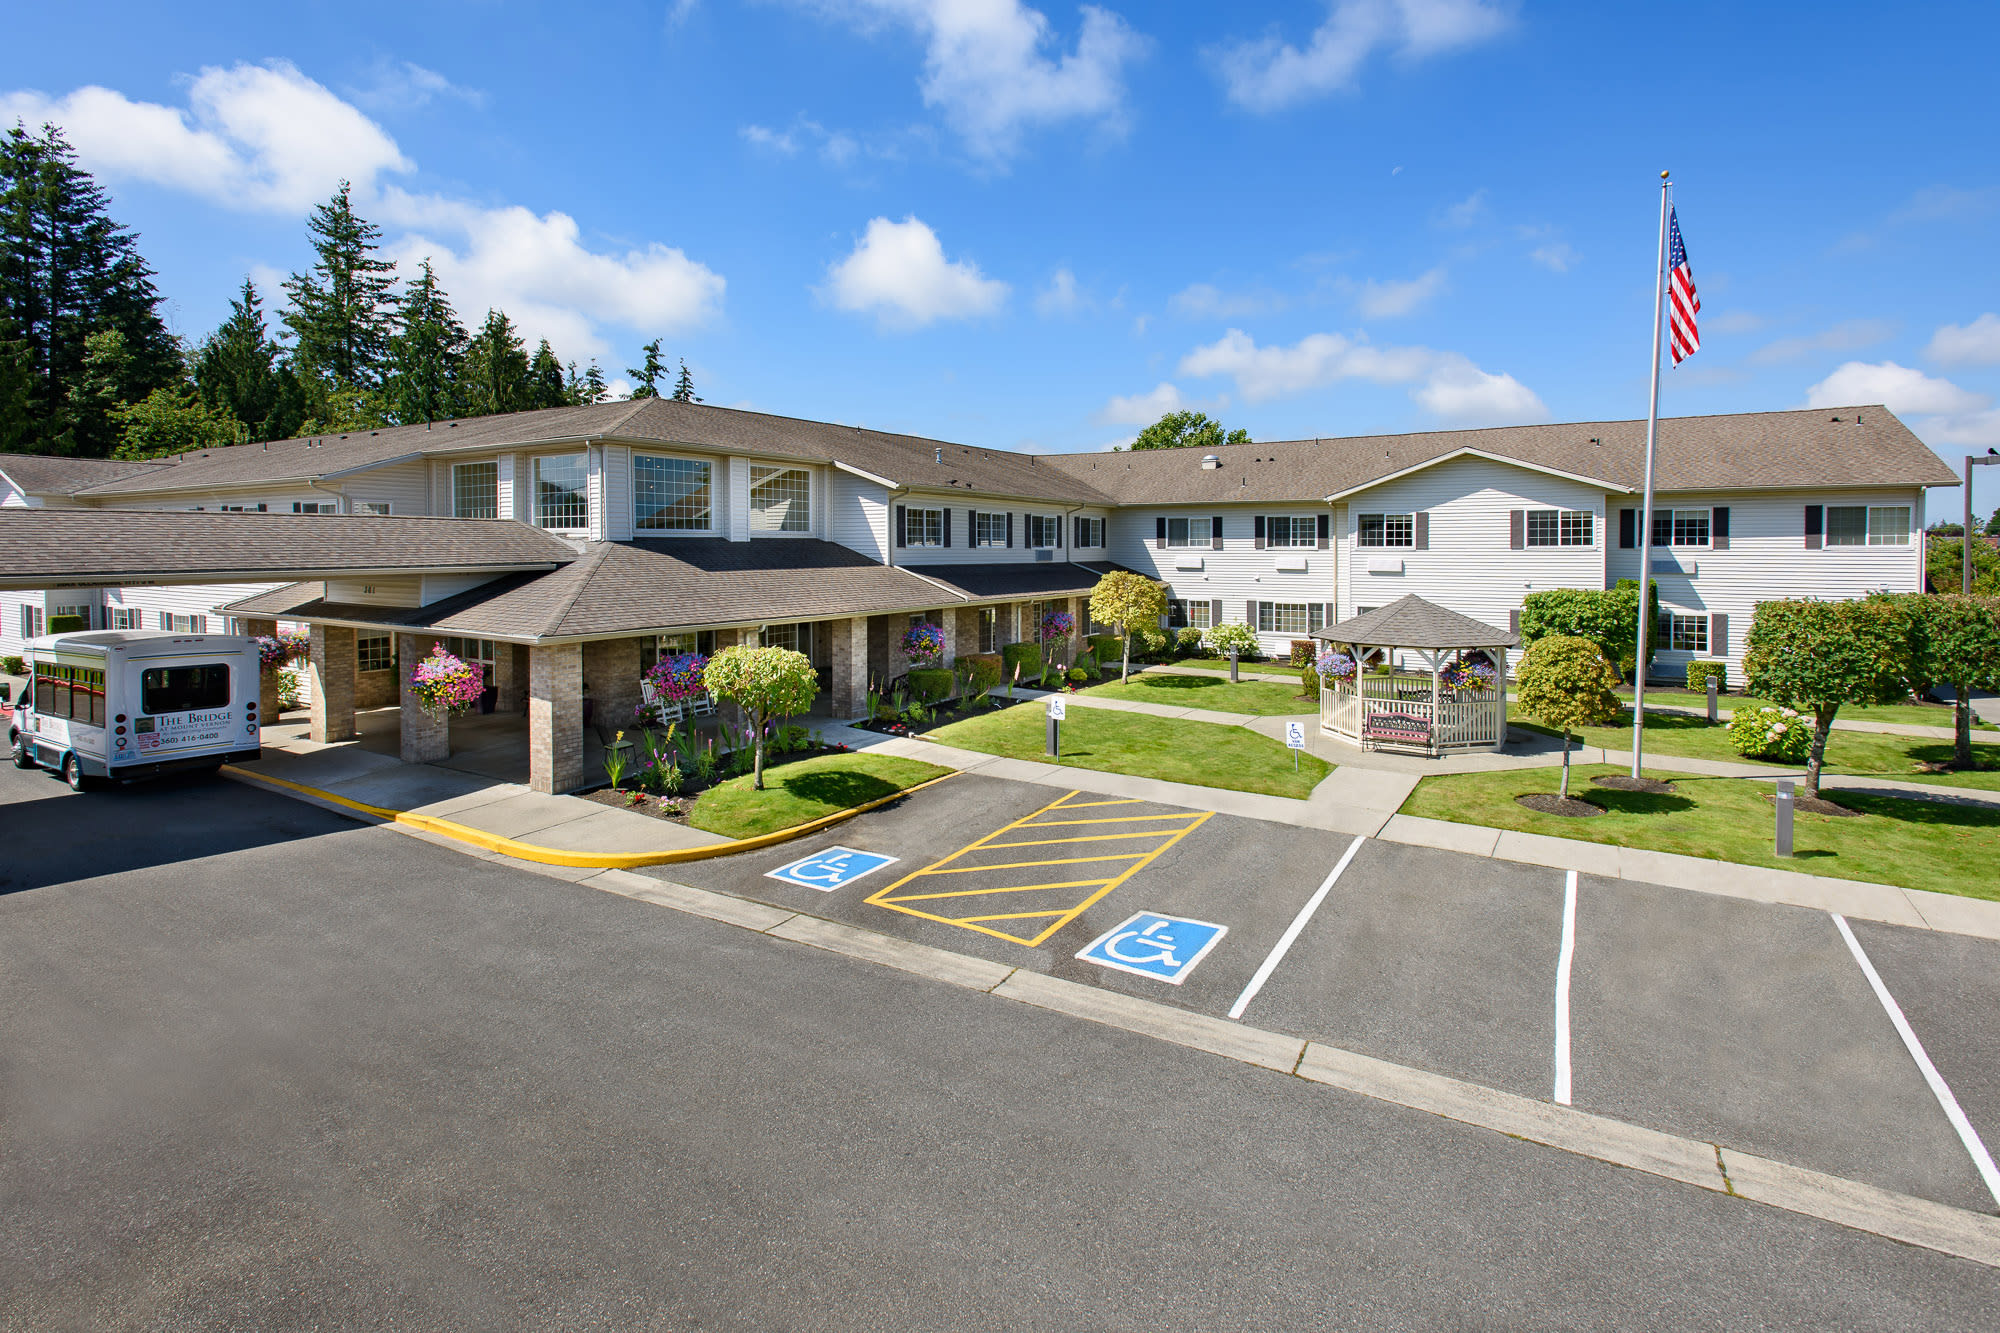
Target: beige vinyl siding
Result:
[1236, 575]
[857, 514]
[405, 486]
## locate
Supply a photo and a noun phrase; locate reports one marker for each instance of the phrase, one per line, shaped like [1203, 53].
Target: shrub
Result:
[1303, 652]
[1148, 641]
[1566, 682]
[290, 692]
[1699, 674]
[67, 624]
[931, 684]
[1608, 617]
[1771, 732]
[1188, 642]
[14, 666]
[981, 673]
[1106, 647]
[1237, 635]
[1309, 680]
[1077, 675]
[1024, 657]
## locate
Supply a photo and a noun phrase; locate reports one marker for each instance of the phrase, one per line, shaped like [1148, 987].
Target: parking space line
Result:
[1982, 1160]
[1015, 865]
[1085, 805]
[1292, 932]
[1117, 819]
[1565, 956]
[994, 893]
[1081, 837]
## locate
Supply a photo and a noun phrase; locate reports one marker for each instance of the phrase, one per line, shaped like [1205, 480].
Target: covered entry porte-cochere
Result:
[1454, 697]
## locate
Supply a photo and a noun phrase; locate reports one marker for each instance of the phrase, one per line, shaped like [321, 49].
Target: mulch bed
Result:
[1548, 803]
[1621, 782]
[676, 809]
[942, 716]
[1813, 805]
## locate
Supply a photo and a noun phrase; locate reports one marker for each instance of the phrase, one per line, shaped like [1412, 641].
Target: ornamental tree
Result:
[1566, 682]
[1608, 617]
[1957, 642]
[1815, 656]
[1127, 600]
[765, 683]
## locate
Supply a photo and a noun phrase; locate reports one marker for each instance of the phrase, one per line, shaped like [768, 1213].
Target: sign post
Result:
[1058, 708]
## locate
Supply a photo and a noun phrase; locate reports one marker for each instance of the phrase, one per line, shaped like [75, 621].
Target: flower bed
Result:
[676, 807]
[644, 784]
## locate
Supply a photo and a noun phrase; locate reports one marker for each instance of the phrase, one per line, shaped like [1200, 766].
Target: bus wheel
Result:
[72, 771]
[24, 753]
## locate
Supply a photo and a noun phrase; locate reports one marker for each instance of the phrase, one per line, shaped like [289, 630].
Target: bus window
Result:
[183, 689]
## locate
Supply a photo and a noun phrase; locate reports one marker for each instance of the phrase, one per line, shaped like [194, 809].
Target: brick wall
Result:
[555, 718]
[611, 673]
[332, 673]
[425, 739]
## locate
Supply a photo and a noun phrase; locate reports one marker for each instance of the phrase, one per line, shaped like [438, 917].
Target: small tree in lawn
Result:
[1566, 682]
[1958, 644]
[1127, 600]
[1815, 656]
[765, 683]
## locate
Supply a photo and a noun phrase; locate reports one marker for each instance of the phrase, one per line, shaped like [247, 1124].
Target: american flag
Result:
[1680, 292]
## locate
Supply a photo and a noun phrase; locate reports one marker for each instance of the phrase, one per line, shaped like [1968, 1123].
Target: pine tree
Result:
[546, 387]
[238, 372]
[496, 368]
[67, 271]
[649, 374]
[592, 388]
[426, 355]
[684, 387]
[343, 309]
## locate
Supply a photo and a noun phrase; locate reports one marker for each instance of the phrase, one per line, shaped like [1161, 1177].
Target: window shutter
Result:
[1422, 524]
[1327, 617]
[1514, 622]
[1257, 530]
[1010, 529]
[947, 526]
[1215, 533]
[1315, 613]
[1076, 532]
[1628, 529]
[1250, 615]
[1059, 534]
[1325, 531]
[1718, 634]
[1815, 526]
[1718, 528]
[1517, 529]
[902, 526]
[1215, 612]
[1160, 533]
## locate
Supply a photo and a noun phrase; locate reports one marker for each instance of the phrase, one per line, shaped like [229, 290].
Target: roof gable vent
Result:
[1211, 463]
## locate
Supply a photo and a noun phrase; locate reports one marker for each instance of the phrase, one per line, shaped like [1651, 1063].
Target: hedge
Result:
[931, 684]
[1699, 673]
[1107, 647]
[982, 672]
[67, 624]
[1025, 656]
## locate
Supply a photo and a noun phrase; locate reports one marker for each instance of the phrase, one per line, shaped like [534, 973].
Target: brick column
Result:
[510, 677]
[611, 669]
[332, 684]
[555, 718]
[426, 739]
[847, 645]
[267, 681]
[1079, 610]
[949, 617]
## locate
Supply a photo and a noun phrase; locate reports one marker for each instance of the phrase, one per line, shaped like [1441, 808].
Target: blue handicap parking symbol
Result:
[1151, 945]
[830, 869]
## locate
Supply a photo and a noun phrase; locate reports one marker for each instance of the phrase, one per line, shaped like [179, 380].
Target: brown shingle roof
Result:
[1840, 446]
[42, 474]
[1412, 622]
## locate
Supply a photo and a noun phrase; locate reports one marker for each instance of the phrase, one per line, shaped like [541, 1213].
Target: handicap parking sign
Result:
[830, 869]
[1295, 735]
[1165, 948]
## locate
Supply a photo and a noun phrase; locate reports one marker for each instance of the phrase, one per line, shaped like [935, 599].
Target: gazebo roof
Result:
[1412, 622]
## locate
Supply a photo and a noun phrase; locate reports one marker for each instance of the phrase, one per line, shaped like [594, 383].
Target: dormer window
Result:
[671, 494]
[562, 492]
[780, 499]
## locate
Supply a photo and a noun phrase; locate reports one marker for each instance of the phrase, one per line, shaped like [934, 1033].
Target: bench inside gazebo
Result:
[1455, 700]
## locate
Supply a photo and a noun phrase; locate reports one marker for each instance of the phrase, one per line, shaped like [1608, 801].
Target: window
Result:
[1044, 530]
[561, 492]
[923, 527]
[31, 622]
[125, 617]
[475, 490]
[674, 645]
[374, 652]
[376, 508]
[1291, 530]
[1090, 532]
[989, 529]
[797, 637]
[780, 499]
[72, 692]
[1192, 614]
[1687, 633]
[1387, 530]
[83, 613]
[1866, 525]
[989, 629]
[1680, 527]
[1190, 532]
[183, 624]
[1565, 527]
[314, 507]
[1283, 618]
[470, 650]
[671, 495]
[244, 509]
[183, 689]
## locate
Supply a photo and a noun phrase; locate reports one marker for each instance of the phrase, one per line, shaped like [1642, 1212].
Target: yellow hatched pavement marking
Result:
[1057, 918]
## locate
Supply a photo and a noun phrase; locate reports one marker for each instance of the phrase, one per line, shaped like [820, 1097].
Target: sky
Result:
[1038, 225]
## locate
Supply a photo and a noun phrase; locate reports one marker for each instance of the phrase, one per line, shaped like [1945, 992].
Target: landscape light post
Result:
[1965, 536]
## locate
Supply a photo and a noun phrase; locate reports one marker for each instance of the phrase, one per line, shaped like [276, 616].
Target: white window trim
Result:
[1206, 522]
[1409, 516]
[639, 530]
[989, 530]
[921, 515]
[1293, 524]
[1051, 525]
[451, 481]
[535, 490]
[751, 511]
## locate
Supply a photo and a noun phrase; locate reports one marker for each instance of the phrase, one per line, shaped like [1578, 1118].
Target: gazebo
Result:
[1457, 701]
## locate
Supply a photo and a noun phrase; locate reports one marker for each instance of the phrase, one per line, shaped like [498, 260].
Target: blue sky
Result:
[1036, 224]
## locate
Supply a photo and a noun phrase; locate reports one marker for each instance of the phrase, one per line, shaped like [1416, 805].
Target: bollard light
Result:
[1232, 667]
[1712, 688]
[1784, 839]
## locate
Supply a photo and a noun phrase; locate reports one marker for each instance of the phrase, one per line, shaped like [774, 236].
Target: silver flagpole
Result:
[1646, 514]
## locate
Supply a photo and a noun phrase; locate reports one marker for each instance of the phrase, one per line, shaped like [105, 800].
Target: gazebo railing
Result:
[1394, 720]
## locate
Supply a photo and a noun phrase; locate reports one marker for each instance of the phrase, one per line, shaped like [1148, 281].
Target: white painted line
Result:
[1981, 1159]
[1291, 934]
[1564, 957]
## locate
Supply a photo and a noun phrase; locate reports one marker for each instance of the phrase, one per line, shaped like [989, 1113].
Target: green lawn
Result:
[1846, 751]
[1207, 754]
[1916, 844]
[1222, 664]
[802, 792]
[1909, 715]
[1259, 697]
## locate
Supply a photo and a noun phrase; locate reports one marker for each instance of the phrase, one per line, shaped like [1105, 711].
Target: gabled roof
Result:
[1476, 453]
[1412, 622]
[44, 474]
[1839, 446]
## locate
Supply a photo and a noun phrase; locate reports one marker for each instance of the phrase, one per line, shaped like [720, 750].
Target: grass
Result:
[1909, 715]
[1846, 751]
[802, 792]
[1222, 664]
[1915, 844]
[1259, 697]
[1207, 754]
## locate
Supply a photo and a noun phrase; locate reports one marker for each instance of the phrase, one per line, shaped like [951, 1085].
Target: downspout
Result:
[340, 496]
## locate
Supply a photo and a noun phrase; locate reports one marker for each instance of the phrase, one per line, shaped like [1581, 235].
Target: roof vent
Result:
[1211, 462]
[937, 455]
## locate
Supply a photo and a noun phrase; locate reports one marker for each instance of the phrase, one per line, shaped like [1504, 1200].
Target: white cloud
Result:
[778, 141]
[1388, 300]
[836, 147]
[1203, 300]
[1899, 388]
[1974, 344]
[1559, 257]
[986, 69]
[1267, 74]
[1444, 383]
[1466, 211]
[261, 137]
[403, 85]
[1847, 336]
[1141, 409]
[1061, 296]
[899, 272]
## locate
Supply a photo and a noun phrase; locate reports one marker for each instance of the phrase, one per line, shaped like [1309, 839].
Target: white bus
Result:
[131, 704]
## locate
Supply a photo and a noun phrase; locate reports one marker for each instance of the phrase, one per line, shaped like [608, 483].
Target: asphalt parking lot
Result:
[1729, 1021]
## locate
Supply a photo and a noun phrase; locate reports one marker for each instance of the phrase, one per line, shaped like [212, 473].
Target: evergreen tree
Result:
[427, 355]
[649, 374]
[592, 388]
[496, 368]
[342, 408]
[238, 372]
[546, 387]
[684, 387]
[67, 272]
[343, 309]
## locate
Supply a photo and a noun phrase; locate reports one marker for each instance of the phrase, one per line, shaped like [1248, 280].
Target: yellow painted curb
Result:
[552, 856]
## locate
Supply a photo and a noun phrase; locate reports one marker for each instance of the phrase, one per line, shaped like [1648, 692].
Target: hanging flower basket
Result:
[1465, 677]
[1333, 665]
[1057, 625]
[924, 645]
[277, 651]
[446, 686]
